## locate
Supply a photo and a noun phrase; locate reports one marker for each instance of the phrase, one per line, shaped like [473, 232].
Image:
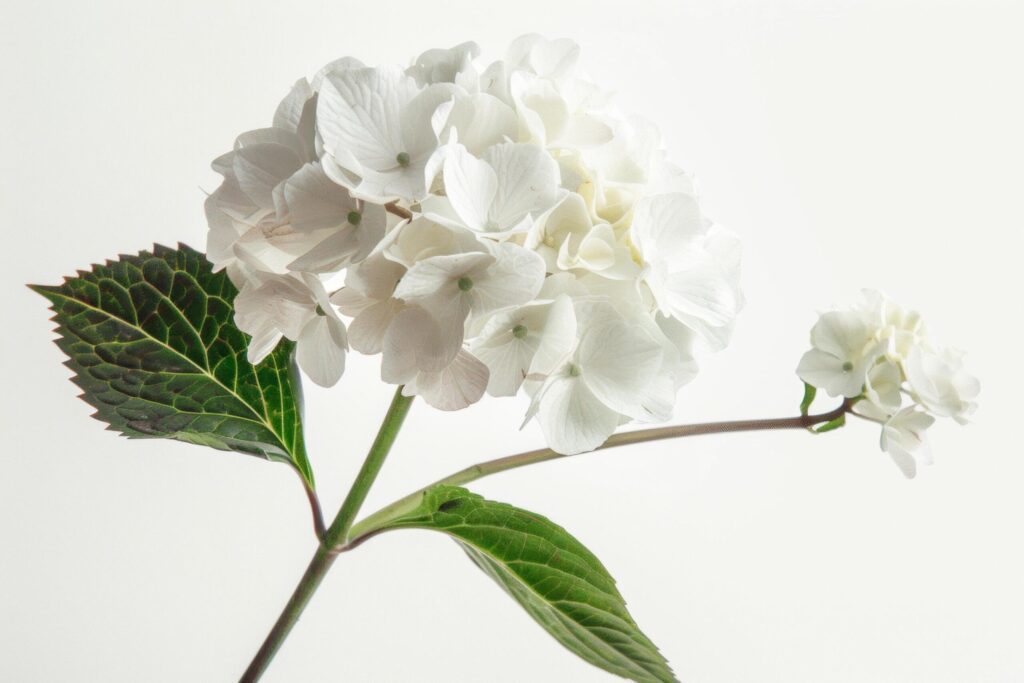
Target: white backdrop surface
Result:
[849, 144]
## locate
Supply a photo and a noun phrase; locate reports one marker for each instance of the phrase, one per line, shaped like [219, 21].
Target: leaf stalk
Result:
[372, 524]
[343, 536]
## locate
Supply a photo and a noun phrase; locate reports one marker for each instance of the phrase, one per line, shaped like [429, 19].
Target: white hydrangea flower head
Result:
[498, 228]
[877, 355]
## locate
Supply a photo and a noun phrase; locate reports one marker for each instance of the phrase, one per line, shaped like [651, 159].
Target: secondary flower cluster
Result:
[877, 354]
[499, 228]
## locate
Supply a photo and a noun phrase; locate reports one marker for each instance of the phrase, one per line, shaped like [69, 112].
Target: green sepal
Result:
[809, 393]
[560, 583]
[152, 342]
[831, 424]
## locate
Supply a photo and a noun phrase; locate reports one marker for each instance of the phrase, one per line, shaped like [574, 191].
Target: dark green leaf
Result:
[809, 394]
[154, 347]
[552, 575]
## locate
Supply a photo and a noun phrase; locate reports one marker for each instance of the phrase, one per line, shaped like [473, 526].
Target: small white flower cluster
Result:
[877, 354]
[500, 227]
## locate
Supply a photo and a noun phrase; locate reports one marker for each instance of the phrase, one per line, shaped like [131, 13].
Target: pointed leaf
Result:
[560, 583]
[154, 347]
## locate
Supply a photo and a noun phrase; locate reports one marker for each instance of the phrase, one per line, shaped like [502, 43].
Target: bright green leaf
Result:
[154, 348]
[809, 393]
[552, 575]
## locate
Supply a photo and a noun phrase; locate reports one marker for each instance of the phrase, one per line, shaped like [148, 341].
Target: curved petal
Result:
[515, 278]
[315, 202]
[261, 168]
[558, 337]
[457, 386]
[439, 275]
[825, 371]
[470, 185]
[289, 112]
[481, 120]
[572, 418]
[320, 351]
[618, 361]
[528, 182]
[843, 334]
[359, 111]
[415, 342]
[702, 292]
[666, 225]
[366, 331]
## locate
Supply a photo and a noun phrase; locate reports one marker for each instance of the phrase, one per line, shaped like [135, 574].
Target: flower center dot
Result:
[847, 366]
[465, 284]
[402, 159]
[319, 310]
[574, 370]
[354, 217]
[519, 331]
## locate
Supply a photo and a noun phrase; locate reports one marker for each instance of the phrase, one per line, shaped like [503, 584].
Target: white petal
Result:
[882, 386]
[376, 277]
[548, 58]
[843, 334]
[508, 364]
[558, 338]
[444, 65]
[367, 330]
[348, 244]
[471, 186]
[418, 137]
[481, 120]
[264, 340]
[289, 113]
[583, 131]
[224, 231]
[335, 67]
[315, 202]
[260, 168]
[414, 341]
[666, 225]
[283, 303]
[528, 182]
[702, 292]
[825, 371]
[399, 183]
[439, 274]
[457, 386]
[573, 419]
[359, 111]
[515, 278]
[904, 460]
[328, 255]
[618, 361]
[320, 351]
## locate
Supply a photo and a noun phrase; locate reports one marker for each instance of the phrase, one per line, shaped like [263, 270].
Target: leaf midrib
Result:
[494, 558]
[624, 661]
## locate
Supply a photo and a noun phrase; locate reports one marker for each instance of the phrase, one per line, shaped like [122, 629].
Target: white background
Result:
[849, 144]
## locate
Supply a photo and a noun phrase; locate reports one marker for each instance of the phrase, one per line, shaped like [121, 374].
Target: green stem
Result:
[386, 436]
[333, 538]
[374, 523]
[315, 573]
[483, 469]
